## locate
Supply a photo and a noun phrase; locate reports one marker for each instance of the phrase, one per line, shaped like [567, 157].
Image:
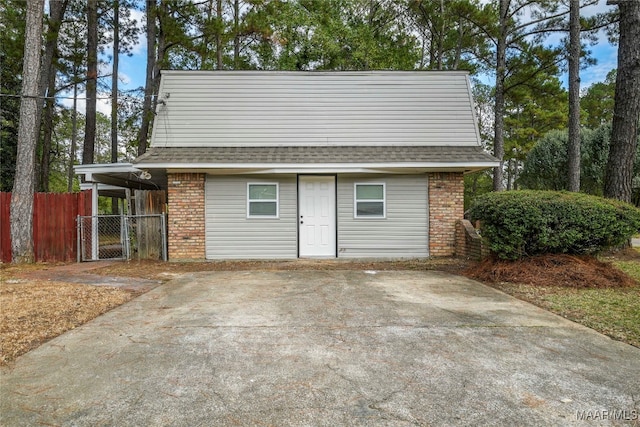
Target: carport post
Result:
[163, 224]
[79, 239]
[94, 222]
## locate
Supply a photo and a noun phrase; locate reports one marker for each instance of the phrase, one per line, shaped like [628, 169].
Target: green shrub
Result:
[516, 224]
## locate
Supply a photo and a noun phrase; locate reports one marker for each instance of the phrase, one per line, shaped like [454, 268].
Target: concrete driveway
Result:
[324, 348]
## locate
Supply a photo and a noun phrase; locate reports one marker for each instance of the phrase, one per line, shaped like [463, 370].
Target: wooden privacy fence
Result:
[55, 232]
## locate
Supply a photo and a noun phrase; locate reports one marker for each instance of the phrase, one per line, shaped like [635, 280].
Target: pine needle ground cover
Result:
[35, 311]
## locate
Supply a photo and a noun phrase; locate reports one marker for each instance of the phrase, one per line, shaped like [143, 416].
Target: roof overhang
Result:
[114, 178]
[317, 159]
[232, 169]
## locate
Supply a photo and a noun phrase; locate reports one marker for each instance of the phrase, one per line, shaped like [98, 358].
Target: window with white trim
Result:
[262, 200]
[369, 200]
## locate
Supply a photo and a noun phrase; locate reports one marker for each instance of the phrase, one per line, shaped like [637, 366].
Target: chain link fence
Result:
[108, 237]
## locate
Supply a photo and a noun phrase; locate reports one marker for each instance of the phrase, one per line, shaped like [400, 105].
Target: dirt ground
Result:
[156, 270]
[37, 304]
[34, 311]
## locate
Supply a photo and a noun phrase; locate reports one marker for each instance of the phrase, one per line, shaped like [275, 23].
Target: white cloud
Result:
[105, 72]
[103, 104]
[133, 65]
[124, 78]
[140, 46]
[599, 7]
[141, 41]
[607, 61]
[104, 69]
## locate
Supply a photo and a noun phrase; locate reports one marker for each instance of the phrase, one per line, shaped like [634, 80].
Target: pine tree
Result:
[21, 216]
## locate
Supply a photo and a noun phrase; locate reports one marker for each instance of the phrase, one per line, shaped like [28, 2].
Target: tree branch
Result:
[538, 71]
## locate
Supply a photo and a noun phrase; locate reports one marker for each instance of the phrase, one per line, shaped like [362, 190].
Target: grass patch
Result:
[632, 268]
[610, 305]
[614, 312]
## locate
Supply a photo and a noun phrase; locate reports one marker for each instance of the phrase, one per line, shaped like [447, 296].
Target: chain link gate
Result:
[109, 237]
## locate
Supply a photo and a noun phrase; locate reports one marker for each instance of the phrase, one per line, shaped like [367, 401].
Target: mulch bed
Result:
[552, 270]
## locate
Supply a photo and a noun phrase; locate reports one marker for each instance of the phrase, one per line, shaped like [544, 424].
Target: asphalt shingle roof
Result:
[314, 155]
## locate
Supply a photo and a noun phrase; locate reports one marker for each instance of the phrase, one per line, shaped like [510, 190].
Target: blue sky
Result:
[132, 68]
[607, 56]
[605, 53]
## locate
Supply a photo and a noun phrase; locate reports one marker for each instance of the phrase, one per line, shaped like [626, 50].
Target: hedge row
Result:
[516, 224]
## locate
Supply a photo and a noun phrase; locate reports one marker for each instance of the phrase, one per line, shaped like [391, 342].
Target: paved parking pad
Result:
[328, 348]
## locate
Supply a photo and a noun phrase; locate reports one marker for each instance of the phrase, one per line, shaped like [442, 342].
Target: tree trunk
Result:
[441, 36]
[432, 50]
[501, 62]
[47, 87]
[56, 13]
[161, 56]
[219, 17]
[149, 86]
[47, 134]
[114, 82]
[74, 131]
[423, 50]
[236, 31]
[458, 53]
[114, 94]
[92, 83]
[21, 215]
[626, 114]
[573, 146]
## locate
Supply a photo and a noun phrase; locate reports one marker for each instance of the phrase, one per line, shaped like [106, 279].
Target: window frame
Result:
[356, 200]
[276, 200]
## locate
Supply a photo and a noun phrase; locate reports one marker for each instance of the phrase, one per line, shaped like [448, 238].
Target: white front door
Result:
[317, 216]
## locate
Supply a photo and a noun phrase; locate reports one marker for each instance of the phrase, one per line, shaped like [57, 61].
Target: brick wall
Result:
[186, 216]
[468, 241]
[446, 207]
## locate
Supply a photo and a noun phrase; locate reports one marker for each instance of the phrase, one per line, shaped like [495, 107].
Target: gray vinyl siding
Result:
[231, 235]
[404, 231]
[210, 108]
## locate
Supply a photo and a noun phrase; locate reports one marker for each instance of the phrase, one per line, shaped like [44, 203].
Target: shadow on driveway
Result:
[324, 348]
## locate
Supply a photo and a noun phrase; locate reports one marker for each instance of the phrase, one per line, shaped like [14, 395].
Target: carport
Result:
[141, 198]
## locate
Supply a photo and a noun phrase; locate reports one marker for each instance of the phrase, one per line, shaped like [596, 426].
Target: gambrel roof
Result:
[228, 119]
